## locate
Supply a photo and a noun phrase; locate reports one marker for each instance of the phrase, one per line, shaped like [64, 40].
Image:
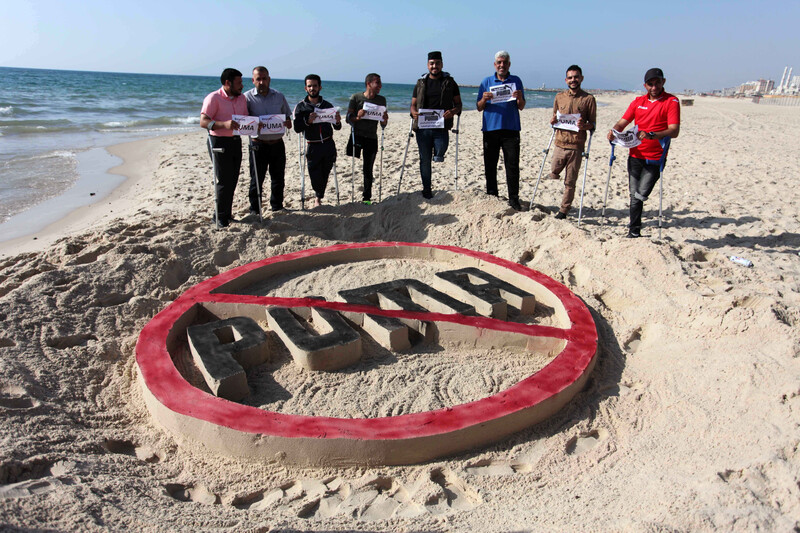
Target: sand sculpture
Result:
[218, 321]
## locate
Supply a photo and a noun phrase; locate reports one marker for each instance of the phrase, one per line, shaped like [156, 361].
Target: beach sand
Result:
[689, 421]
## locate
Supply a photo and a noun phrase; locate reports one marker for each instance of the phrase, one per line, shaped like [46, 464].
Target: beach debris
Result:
[741, 261]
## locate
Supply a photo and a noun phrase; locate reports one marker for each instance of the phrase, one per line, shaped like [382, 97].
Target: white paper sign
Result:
[627, 139]
[373, 111]
[326, 115]
[247, 125]
[502, 93]
[566, 121]
[430, 119]
[273, 124]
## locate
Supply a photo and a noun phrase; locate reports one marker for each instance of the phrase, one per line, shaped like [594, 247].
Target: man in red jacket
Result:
[657, 115]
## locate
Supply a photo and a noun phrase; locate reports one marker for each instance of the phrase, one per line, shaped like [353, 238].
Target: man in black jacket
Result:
[321, 150]
[436, 90]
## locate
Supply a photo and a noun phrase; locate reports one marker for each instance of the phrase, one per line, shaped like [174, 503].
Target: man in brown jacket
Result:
[570, 144]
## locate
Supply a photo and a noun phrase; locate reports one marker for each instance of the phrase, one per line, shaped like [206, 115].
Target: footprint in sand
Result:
[586, 441]
[191, 493]
[14, 397]
[634, 340]
[371, 498]
[126, 447]
[522, 464]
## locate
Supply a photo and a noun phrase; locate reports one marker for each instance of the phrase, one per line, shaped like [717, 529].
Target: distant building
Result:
[789, 84]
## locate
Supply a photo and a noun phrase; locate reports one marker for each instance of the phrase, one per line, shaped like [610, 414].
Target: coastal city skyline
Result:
[697, 48]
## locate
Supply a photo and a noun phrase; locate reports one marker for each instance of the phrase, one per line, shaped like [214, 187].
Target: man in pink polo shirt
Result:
[657, 114]
[216, 116]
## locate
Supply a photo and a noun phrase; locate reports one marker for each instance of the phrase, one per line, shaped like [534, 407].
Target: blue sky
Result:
[700, 45]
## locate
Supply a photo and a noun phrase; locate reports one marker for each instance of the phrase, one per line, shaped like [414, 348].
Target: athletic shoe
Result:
[366, 202]
[514, 203]
[633, 234]
[427, 194]
[561, 216]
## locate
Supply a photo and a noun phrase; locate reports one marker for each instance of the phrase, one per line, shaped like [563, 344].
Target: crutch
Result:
[300, 153]
[214, 151]
[585, 168]
[336, 182]
[608, 180]
[253, 150]
[664, 149]
[544, 160]
[380, 168]
[302, 141]
[403, 167]
[353, 165]
[458, 124]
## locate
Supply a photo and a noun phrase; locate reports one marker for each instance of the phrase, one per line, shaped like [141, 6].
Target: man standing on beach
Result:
[267, 151]
[217, 117]
[365, 128]
[501, 97]
[321, 151]
[570, 144]
[434, 90]
[657, 115]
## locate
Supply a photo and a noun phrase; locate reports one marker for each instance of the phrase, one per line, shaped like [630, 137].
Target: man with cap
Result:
[217, 117]
[501, 126]
[570, 144]
[434, 90]
[267, 150]
[657, 115]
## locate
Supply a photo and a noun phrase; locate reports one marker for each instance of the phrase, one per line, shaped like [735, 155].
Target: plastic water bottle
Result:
[741, 261]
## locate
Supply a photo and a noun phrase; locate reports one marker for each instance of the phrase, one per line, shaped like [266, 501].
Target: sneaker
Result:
[514, 203]
[561, 216]
[366, 202]
[633, 234]
[427, 194]
[254, 212]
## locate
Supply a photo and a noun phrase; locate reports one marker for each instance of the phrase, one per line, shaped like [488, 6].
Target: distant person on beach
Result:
[501, 125]
[267, 150]
[216, 116]
[366, 129]
[570, 144]
[434, 90]
[657, 115]
[321, 150]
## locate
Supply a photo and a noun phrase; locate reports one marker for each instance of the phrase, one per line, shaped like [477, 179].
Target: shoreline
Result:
[136, 171]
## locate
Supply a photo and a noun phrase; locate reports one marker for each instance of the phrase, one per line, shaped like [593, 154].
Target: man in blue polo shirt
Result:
[501, 125]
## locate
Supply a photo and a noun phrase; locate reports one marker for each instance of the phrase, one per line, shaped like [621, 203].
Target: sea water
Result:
[54, 123]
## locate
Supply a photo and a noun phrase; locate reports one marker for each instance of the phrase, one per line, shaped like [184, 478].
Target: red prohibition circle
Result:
[248, 431]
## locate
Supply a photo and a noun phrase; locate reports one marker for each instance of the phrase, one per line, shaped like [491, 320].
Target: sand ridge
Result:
[688, 422]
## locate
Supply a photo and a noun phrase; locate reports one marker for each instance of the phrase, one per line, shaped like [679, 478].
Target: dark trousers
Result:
[265, 157]
[321, 158]
[642, 177]
[226, 169]
[493, 141]
[368, 148]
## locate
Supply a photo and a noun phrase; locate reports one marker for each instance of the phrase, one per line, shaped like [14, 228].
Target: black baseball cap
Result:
[434, 55]
[654, 72]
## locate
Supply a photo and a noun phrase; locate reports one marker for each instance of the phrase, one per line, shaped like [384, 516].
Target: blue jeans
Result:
[431, 143]
[642, 177]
